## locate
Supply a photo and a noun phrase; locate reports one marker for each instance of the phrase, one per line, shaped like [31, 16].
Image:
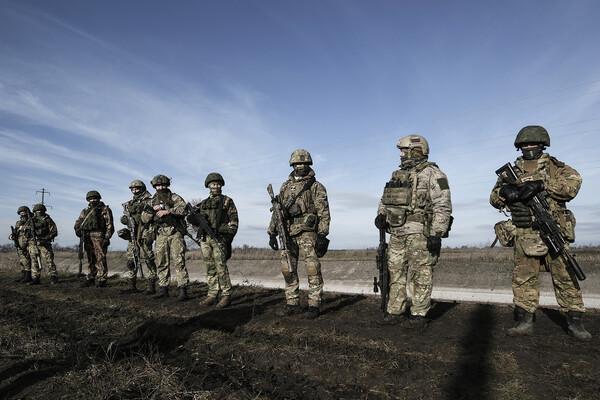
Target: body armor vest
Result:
[213, 210]
[94, 222]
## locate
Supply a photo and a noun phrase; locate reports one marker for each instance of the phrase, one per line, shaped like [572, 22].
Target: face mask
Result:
[410, 157]
[301, 169]
[532, 153]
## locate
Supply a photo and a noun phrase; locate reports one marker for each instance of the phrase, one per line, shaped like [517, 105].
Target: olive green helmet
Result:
[92, 194]
[39, 207]
[160, 180]
[414, 141]
[212, 177]
[300, 156]
[136, 183]
[532, 134]
[23, 209]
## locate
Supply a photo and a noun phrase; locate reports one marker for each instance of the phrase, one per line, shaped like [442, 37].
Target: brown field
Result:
[65, 342]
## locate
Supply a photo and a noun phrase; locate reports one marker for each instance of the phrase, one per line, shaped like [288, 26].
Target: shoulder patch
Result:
[443, 183]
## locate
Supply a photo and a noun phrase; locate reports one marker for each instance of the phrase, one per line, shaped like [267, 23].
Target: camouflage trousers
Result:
[96, 247]
[410, 262]
[23, 255]
[306, 252]
[169, 251]
[146, 256]
[525, 282]
[217, 274]
[42, 252]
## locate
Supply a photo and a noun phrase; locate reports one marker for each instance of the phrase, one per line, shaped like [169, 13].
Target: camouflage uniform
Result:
[170, 245]
[145, 237]
[417, 208]
[310, 218]
[23, 238]
[96, 224]
[530, 255]
[45, 232]
[221, 214]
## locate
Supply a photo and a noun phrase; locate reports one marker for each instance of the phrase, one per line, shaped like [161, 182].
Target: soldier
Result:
[168, 210]
[40, 246]
[306, 207]
[96, 225]
[21, 239]
[559, 183]
[145, 236]
[221, 215]
[416, 210]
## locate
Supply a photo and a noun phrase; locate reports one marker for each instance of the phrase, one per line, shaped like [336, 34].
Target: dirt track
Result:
[66, 342]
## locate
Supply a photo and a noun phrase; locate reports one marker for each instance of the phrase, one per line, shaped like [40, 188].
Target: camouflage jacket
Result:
[427, 207]
[45, 228]
[562, 183]
[97, 219]
[309, 212]
[23, 229]
[134, 208]
[221, 214]
[170, 223]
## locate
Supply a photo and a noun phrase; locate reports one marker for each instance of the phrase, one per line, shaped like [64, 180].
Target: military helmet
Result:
[212, 177]
[23, 209]
[532, 134]
[39, 207]
[160, 180]
[300, 156]
[136, 183]
[93, 194]
[414, 141]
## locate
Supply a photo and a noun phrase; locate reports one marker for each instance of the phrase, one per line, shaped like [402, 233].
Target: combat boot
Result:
[163, 291]
[21, 278]
[289, 309]
[311, 313]
[87, 283]
[53, 280]
[34, 281]
[209, 301]
[391, 319]
[182, 295]
[417, 322]
[224, 302]
[151, 286]
[524, 324]
[101, 284]
[131, 286]
[575, 328]
[27, 278]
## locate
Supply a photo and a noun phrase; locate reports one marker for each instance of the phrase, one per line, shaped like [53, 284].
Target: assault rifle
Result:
[282, 233]
[198, 219]
[547, 226]
[15, 237]
[133, 231]
[35, 238]
[384, 276]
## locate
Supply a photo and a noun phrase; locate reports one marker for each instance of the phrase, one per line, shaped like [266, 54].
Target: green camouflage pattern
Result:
[410, 263]
[23, 237]
[217, 273]
[46, 254]
[104, 225]
[562, 184]
[306, 242]
[229, 222]
[146, 233]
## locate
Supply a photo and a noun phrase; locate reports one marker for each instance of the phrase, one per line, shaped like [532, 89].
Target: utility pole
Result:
[43, 192]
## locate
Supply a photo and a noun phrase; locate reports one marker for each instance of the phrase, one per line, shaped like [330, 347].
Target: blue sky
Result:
[95, 94]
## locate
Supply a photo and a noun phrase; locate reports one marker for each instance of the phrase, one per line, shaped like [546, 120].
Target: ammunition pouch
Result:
[397, 198]
[321, 245]
[294, 211]
[304, 223]
[567, 222]
[505, 232]
[395, 216]
[124, 234]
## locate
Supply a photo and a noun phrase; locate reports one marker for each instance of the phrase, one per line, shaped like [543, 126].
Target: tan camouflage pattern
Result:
[306, 252]
[23, 238]
[146, 233]
[312, 201]
[410, 263]
[429, 199]
[217, 273]
[169, 248]
[562, 183]
[46, 254]
[96, 246]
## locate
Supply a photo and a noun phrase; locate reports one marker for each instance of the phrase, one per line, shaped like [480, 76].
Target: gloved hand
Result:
[273, 242]
[380, 222]
[434, 243]
[124, 219]
[193, 219]
[530, 189]
[511, 193]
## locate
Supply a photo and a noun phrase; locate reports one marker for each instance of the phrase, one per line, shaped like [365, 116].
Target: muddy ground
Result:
[66, 342]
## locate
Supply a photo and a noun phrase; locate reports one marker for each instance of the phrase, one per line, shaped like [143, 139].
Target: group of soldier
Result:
[415, 210]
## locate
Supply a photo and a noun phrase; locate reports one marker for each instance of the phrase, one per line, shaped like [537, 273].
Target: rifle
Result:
[203, 227]
[384, 275]
[547, 226]
[284, 237]
[35, 238]
[133, 229]
[15, 237]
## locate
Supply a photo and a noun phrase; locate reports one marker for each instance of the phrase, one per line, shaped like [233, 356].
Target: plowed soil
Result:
[67, 342]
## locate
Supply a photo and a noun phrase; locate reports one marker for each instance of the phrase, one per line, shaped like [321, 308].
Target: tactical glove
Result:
[124, 220]
[193, 219]
[434, 244]
[321, 245]
[511, 193]
[273, 242]
[380, 222]
[530, 189]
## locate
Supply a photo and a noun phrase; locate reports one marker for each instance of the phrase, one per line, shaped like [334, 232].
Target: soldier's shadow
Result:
[556, 317]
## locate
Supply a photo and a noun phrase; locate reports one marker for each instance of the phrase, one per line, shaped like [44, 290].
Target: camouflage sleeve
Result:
[232, 214]
[322, 206]
[495, 199]
[77, 226]
[179, 205]
[108, 219]
[565, 185]
[439, 191]
[147, 212]
[53, 230]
